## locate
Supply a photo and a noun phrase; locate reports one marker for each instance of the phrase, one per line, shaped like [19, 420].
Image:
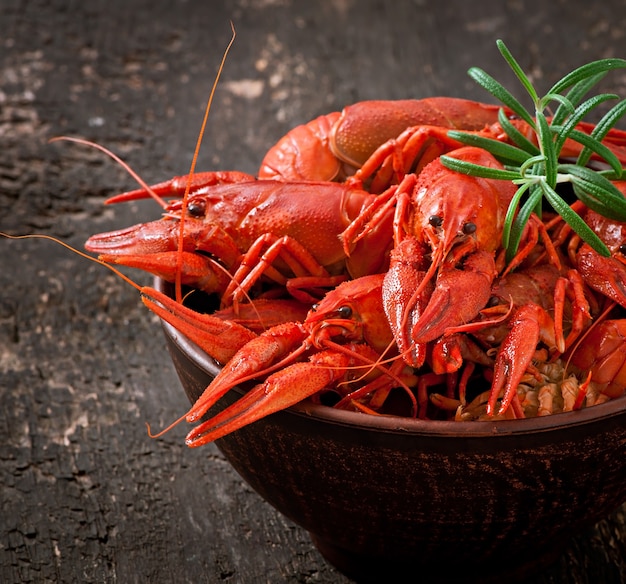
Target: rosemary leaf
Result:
[592, 145]
[603, 127]
[598, 193]
[576, 94]
[574, 220]
[547, 148]
[530, 168]
[499, 92]
[504, 152]
[510, 214]
[519, 223]
[544, 102]
[586, 71]
[515, 135]
[517, 70]
[577, 116]
[591, 201]
[476, 169]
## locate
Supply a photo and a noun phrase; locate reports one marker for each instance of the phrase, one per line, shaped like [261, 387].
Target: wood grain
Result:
[85, 494]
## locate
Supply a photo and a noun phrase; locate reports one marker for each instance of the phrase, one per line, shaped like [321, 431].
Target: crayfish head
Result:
[453, 208]
[158, 236]
[200, 233]
[352, 311]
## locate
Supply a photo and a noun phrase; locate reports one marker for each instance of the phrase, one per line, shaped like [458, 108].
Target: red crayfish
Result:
[356, 263]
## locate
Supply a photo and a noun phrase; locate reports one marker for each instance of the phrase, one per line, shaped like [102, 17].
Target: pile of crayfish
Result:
[357, 270]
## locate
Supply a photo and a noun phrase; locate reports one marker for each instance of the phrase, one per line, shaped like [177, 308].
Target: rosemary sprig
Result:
[537, 169]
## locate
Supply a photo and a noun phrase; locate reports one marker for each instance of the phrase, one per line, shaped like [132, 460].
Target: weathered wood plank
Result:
[85, 494]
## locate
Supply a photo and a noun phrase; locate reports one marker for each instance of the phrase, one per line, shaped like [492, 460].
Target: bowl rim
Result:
[390, 423]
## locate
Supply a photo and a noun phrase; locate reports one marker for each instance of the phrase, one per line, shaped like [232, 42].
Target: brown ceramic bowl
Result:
[382, 496]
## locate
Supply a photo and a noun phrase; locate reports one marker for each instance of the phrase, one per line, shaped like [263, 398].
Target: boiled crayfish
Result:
[356, 263]
[234, 233]
[382, 141]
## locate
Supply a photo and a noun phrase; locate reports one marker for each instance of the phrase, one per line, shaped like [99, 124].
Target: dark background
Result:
[85, 494]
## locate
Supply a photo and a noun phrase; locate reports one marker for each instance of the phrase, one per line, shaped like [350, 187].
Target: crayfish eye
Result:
[435, 220]
[469, 228]
[196, 208]
[622, 249]
[314, 307]
[493, 301]
[344, 311]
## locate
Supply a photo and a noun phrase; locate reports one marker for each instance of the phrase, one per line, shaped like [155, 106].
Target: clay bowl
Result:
[383, 496]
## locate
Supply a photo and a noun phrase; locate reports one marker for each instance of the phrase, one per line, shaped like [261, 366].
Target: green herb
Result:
[536, 169]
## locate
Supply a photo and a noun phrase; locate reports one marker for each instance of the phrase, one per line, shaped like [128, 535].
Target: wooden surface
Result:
[85, 494]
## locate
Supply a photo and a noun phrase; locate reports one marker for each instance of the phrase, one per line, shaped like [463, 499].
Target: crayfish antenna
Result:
[117, 159]
[166, 429]
[181, 239]
[77, 252]
[393, 373]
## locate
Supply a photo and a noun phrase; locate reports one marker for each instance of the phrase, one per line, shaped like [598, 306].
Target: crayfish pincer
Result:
[340, 343]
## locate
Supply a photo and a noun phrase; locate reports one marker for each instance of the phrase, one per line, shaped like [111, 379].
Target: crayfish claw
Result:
[279, 391]
[219, 338]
